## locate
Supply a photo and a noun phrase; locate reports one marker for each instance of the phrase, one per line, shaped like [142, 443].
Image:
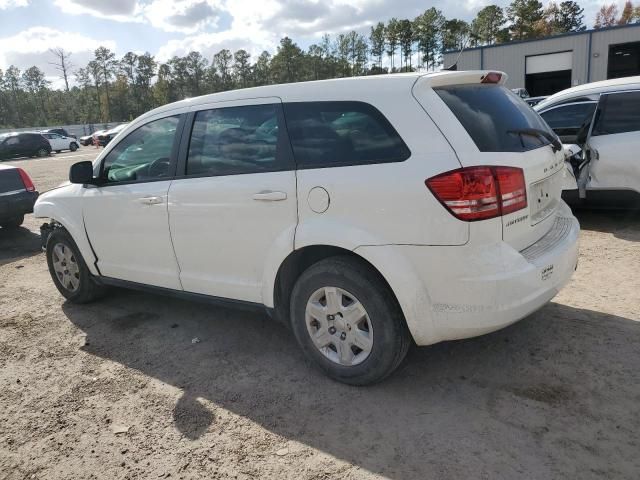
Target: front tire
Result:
[73, 147]
[42, 152]
[348, 322]
[69, 270]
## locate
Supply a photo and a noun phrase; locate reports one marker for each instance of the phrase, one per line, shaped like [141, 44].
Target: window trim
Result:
[349, 163]
[173, 156]
[284, 153]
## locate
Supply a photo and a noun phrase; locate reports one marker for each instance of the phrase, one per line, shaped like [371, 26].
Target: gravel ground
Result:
[117, 389]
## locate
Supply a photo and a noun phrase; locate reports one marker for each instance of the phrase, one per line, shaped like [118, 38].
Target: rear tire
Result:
[373, 345]
[42, 152]
[69, 270]
[13, 222]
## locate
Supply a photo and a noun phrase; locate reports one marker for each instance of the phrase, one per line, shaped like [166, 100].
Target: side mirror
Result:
[81, 172]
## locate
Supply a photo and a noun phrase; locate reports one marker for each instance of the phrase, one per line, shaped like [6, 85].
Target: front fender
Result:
[64, 206]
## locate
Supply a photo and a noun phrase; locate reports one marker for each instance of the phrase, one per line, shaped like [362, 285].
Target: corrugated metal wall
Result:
[600, 48]
[511, 58]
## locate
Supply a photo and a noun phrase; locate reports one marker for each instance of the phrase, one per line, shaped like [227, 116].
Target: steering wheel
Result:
[159, 167]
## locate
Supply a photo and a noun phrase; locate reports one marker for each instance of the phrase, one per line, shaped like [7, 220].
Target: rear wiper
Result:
[536, 132]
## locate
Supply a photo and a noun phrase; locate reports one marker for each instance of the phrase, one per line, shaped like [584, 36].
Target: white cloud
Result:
[5, 4]
[118, 10]
[31, 47]
[247, 31]
[185, 16]
[210, 43]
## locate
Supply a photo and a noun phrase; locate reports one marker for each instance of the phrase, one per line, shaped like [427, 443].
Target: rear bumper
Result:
[466, 291]
[16, 204]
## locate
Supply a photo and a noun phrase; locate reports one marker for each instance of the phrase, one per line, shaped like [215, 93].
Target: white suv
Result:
[367, 212]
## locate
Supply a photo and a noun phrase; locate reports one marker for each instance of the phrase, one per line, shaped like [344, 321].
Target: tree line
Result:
[110, 89]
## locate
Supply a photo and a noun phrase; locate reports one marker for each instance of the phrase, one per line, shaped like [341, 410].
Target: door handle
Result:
[151, 200]
[270, 196]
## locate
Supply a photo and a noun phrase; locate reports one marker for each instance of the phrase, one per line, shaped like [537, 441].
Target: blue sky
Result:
[28, 28]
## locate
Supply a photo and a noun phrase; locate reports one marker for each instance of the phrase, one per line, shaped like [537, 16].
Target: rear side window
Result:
[569, 116]
[238, 140]
[620, 114]
[330, 134]
[494, 117]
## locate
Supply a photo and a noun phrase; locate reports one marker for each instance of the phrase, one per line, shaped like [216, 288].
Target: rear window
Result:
[492, 116]
[331, 134]
[10, 180]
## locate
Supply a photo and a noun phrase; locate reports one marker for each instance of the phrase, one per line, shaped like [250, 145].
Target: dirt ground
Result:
[117, 389]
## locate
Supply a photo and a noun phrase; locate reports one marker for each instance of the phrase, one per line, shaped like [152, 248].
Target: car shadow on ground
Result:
[551, 396]
[624, 224]
[18, 243]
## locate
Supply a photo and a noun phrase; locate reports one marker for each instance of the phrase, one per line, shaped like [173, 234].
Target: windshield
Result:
[496, 119]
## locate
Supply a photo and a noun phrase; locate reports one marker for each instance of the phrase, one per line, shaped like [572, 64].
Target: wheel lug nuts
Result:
[332, 330]
[331, 317]
[343, 336]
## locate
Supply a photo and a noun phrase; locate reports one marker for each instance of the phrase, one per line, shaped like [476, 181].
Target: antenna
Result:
[454, 66]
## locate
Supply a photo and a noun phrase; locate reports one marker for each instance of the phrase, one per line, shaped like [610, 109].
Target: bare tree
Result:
[62, 64]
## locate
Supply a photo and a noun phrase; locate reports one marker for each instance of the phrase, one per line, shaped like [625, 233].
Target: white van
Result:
[603, 119]
[367, 212]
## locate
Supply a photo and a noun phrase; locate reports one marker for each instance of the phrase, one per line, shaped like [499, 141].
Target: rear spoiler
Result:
[463, 77]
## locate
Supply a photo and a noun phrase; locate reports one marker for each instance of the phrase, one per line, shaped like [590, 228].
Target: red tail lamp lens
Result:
[492, 77]
[26, 180]
[480, 193]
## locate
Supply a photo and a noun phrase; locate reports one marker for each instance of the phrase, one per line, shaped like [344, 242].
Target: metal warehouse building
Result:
[545, 66]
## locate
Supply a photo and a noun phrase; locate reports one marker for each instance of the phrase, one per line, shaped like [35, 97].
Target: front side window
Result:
[144, 154]
[12, 140]
[329, 134]
[495, 118]
[620, 113]
[569, 116]
[237, 140]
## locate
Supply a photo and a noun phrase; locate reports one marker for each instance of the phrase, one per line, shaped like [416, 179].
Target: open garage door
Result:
[624, 60]
[548, 74]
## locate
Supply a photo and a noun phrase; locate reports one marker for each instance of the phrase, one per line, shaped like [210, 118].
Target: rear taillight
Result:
[479, 193]
[26, 180]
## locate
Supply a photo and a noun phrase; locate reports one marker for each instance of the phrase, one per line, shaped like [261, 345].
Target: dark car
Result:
[17, 196]
[59, 131]
[23, 145]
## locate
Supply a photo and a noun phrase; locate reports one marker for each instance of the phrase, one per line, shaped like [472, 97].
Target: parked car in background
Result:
[521, 92]
[340, 206]
[59, 142]
[23, 144]
[533, 101]
[106, 136]
[86, 140]
[93, 138]
[60, 131]
[17, 196]
[603, 119]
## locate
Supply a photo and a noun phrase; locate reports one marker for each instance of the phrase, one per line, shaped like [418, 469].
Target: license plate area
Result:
[544, 197]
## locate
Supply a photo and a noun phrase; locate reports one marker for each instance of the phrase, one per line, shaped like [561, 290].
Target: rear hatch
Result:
[10, 180]
[489, 125]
